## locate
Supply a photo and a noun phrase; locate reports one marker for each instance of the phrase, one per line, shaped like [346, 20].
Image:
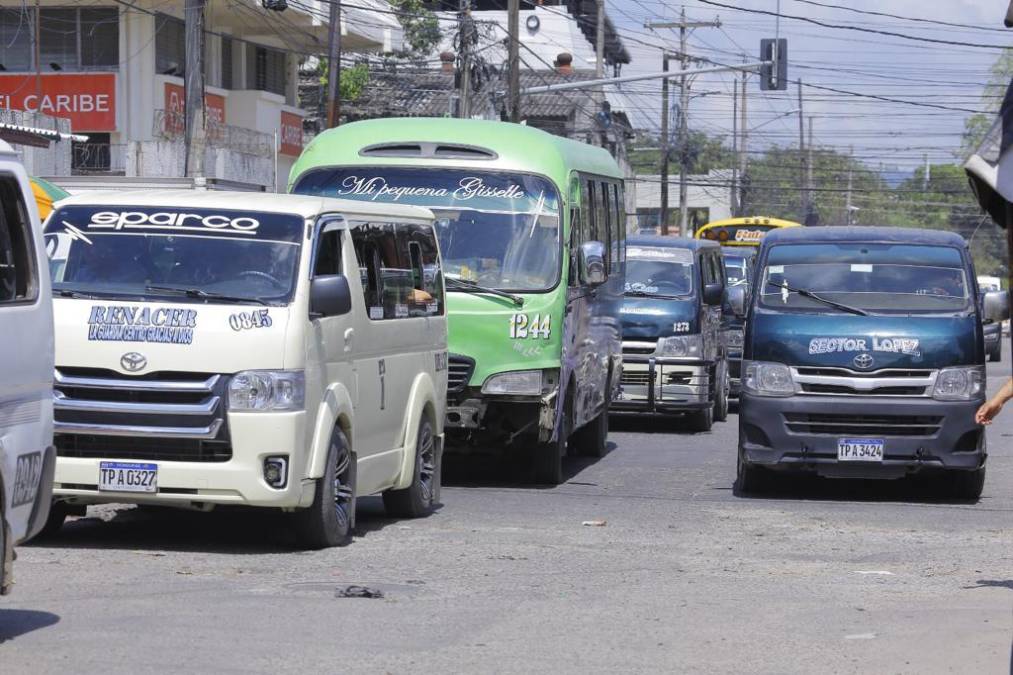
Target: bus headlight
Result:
[514, 383]
[764, 378]
[959, 384]
[680, 346]
[259, 390]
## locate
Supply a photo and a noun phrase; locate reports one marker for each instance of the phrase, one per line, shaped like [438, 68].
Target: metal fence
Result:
[91, 158]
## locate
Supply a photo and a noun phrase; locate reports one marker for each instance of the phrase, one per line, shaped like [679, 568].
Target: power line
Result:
[904, 18]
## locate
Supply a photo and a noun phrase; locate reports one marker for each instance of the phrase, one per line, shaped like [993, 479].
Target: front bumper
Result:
[801, 433]
[240, 480]
[734, 375]
[664, 385]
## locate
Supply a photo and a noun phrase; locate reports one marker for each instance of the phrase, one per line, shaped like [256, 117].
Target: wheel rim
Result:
[426, 462]
[343, 491]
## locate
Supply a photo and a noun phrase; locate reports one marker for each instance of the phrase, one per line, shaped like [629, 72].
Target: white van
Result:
[252, 349]
[26, 366]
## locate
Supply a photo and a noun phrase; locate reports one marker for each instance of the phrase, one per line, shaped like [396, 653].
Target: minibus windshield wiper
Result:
[472, 287]
[202, 294]
[67, 293]
[645, 294]
[812, 296]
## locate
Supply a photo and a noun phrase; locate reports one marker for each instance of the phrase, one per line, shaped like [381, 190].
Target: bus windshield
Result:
[155, 253]
[877, 278]
[736, 270]
[497, 229]
[658, 271]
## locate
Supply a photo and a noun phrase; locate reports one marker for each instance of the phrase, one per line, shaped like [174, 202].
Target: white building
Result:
[708, 198]
[114, 69]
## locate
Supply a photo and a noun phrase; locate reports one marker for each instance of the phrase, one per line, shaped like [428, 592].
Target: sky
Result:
[877, 132]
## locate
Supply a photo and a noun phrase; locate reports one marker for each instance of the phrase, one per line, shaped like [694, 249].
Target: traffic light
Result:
[774, 75]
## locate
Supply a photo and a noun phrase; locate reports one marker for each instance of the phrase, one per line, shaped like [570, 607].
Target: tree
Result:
[976, 126]
[421, 28]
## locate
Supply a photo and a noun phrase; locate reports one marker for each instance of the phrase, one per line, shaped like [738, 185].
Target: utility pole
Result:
[664, 148]
[514, 83]
[734, 192]
[928, 173]
[464, 38]
[334, 66]
[684, 26]
[193, 87]
[847, 200]
[743, 147]
[599, 46]
[804, 195]
[38, 53]
[809, 169]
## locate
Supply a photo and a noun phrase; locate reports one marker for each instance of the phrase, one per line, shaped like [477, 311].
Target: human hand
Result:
[987, 412]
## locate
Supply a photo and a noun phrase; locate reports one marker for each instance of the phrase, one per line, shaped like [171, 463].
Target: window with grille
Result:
[70, 39]
[266, 69]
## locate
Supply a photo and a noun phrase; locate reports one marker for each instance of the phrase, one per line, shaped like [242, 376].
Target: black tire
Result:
[419, 498]
[701, 420]
[995, 356]
[964, 485]
[750, 479]
[58, 512]
[591, 440]
[547, 458]
[6, 551]
[721, 392]
[329, 521]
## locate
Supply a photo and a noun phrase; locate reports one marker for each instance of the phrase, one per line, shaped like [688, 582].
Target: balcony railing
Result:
[170, 126]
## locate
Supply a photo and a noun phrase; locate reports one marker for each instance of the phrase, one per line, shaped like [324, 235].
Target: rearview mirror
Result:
[997, 306]
[737, 300]
[330, 296]
[592, 263]
[712, 293]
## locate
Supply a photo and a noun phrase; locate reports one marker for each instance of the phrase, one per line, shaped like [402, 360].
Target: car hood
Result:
[864, 342]
[653, 318]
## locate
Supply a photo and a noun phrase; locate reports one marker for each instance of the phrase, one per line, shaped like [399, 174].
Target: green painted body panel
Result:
[479, 325]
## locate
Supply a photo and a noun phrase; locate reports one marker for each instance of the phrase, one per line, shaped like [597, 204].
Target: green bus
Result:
[531, 230]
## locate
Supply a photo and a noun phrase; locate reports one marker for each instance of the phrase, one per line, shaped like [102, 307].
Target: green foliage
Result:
[976, 126]
[352, 81]
[421, 27]
[704, 154]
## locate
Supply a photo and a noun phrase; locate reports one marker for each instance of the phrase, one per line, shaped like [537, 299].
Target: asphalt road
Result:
[683, 576]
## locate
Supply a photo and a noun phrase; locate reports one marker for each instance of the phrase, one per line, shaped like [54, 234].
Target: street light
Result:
[774, 119]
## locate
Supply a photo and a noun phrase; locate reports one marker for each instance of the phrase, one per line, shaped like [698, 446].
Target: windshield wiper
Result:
[202, 294]
[67, 293]
[645, 294]
[472, 287]
[812, 296]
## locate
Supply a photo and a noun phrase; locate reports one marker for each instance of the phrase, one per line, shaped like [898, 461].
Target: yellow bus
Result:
[742, 231]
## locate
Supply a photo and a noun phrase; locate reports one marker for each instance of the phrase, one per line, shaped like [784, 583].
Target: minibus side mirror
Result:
[996, 306]
[712, 293]
[592, 263]
[330, 295]
[737, 300]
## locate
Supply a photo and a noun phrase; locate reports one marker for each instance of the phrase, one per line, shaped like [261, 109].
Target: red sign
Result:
[290, 135]
[88, 100]
[175, 109]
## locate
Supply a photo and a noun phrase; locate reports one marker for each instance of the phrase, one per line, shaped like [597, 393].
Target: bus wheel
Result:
[329, 520]
[418, 499]
[750, 479]
[6, 552]
[547, 461]
[701, 420]
[592, 438]
[58, 512]
[721, 392]
[965, 484]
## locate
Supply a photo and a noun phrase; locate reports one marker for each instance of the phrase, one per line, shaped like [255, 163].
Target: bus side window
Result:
[577, 239]
[621, 210]
[608, 218]
[328, 260]
[417, 245]
[591, 213]
[18, 276]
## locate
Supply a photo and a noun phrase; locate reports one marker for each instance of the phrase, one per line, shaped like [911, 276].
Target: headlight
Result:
[959, 384]
[680, 346]
[733, 339]
[768, 379]
[255, 390]
[515, 383]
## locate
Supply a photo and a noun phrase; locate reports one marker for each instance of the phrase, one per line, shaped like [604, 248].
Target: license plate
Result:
[860, 450]
[127, 477]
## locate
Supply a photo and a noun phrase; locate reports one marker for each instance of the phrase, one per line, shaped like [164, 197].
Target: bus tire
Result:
[329, 520]
[721, 392]
[58, 512]
[547, 460]
[701, 420]
[591, 440]
[750, 479]
[420, 497]
[965, 485]
[6, 551]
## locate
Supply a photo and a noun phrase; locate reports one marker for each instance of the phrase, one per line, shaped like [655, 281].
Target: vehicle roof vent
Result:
[431, 150]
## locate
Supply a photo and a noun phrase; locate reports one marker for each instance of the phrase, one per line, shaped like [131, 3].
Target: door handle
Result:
[349, 334]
